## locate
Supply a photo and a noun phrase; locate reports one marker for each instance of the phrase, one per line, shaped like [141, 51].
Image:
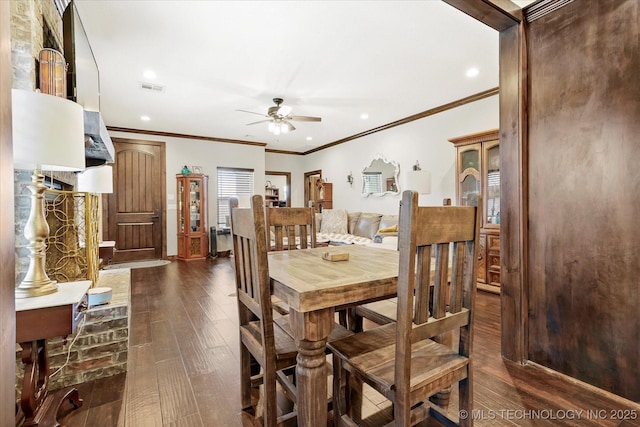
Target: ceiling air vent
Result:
[152, 87]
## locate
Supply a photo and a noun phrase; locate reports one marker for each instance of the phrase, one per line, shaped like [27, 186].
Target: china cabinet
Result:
[478, 173]
[193, 240]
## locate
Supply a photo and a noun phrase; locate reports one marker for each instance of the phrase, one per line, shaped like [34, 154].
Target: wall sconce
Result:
[48, 134]
[350, 178]
[418, 180]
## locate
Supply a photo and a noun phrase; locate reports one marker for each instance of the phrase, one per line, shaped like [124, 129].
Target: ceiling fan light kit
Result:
[279, 118]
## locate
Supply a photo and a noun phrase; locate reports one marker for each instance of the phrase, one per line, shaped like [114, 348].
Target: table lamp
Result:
[48, 134]
[97, 179]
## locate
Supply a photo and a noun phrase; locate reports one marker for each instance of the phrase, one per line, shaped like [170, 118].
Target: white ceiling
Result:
[333, 59]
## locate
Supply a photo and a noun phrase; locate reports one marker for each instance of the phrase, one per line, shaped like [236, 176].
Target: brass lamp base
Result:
[28, 290]
[36, 282]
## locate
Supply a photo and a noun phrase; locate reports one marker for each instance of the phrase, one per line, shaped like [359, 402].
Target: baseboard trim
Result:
[579, 383]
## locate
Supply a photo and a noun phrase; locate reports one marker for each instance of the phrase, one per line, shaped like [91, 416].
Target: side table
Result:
[38, 319]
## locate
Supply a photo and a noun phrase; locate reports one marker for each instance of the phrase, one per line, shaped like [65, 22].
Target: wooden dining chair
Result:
[384, 311]
[266, 338]
[290, 228]
[262, 341]
[402, 360]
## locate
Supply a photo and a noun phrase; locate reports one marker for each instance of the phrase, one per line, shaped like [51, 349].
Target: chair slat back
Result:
[451, 234]
[297, 225]
[251, 266]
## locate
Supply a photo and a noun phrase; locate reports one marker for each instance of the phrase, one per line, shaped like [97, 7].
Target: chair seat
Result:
[371, 355]
[285, 345]
[379, 312]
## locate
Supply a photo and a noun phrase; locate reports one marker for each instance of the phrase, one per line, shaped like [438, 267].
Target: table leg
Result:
[443, 397]
[311, 331]
[36, 377]
[40, 408]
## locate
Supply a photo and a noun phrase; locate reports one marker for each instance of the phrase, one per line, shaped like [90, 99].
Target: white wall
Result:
[209, 155]
[424, 140]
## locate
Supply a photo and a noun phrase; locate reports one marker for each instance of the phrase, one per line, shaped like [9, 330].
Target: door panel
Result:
[136, 207]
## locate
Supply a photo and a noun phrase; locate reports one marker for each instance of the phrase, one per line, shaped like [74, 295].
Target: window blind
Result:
[232, 182]
[372, 182]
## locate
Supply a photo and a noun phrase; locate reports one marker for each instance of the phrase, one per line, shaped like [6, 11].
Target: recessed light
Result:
[145, 118]
[149, 74]
[364, 116]
[472, 72]
[309, 138]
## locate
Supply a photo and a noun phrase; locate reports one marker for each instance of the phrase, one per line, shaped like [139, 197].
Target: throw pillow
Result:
[334, 221]
[389, 229]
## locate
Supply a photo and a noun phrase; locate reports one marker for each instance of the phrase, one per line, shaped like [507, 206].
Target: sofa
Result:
[339, 227]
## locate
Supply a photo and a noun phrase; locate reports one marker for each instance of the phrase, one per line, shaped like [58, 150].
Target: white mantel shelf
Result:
[69, 293]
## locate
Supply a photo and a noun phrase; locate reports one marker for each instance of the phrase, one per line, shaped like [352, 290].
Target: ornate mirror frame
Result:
[388, 183]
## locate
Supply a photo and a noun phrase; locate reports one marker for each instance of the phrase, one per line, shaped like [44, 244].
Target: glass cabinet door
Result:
[181, 220]
[470, 189]
[469, 185]
[194, 205]
[492, 198]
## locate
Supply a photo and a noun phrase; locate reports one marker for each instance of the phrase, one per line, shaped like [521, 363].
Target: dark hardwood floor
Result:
[183, 365]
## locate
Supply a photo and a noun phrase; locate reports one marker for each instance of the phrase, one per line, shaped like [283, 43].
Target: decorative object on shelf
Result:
[53, 73]
[185, 171]
[196, 169]
[418, 180]
[48, 134]
[350, 178]
[380, 177]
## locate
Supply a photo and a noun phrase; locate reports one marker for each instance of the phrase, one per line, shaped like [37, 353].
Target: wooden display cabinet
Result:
[325, 195]
[193, 240]
[478, 173]
[271, 196]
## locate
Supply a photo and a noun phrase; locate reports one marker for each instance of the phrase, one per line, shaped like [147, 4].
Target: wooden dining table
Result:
[314, 289]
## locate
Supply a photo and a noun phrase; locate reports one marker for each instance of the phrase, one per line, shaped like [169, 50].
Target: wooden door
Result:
[136, 208]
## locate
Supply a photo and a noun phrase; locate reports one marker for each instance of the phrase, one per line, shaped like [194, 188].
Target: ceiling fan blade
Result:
[253, 112]
[290, 126]
[305, 118]
[259, 121]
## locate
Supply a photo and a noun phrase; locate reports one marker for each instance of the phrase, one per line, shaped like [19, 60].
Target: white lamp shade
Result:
[418, 181]
[97, 179]
[48, 132]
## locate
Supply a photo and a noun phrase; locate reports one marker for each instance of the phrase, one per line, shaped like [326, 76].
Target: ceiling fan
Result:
[279, 118]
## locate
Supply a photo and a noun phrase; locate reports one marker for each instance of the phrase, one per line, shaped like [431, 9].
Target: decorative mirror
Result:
[380, 177]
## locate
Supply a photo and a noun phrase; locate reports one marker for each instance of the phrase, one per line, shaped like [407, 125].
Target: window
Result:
[232, 182]
[372, 182]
